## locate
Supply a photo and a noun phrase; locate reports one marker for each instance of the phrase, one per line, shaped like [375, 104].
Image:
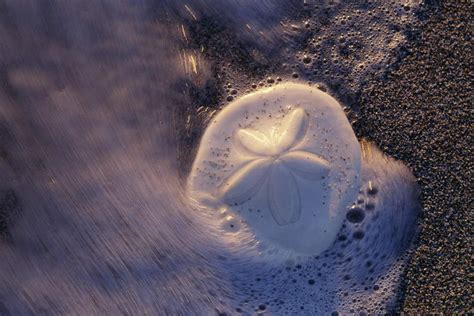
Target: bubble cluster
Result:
[339, 43]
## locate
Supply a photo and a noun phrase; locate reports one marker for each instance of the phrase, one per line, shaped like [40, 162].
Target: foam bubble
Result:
[355, 214]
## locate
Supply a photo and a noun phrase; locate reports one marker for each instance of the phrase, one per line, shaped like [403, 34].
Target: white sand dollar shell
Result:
[291, 131]
[284, 161]
[245, 182]
[283, 196]
[254, 142]
[306, 165]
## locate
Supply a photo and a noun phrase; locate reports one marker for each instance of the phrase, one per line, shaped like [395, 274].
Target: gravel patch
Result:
[421, 113]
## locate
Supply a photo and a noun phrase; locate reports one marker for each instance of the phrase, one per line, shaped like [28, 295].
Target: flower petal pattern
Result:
[253, 141]
[306, 165]
[245, 182]
[275, 163]
[283, 195]
[291, 132]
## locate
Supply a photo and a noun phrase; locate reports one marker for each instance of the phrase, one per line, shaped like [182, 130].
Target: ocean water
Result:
[102, 106]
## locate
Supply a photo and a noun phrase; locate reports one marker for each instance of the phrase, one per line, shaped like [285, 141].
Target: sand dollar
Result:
[283, 160]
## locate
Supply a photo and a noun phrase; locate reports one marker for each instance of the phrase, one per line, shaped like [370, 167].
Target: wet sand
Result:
[421, 113]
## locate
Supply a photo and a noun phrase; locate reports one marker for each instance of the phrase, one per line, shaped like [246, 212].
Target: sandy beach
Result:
[421, 113]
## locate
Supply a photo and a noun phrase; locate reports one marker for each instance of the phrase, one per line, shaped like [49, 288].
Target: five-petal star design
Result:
[273, 162]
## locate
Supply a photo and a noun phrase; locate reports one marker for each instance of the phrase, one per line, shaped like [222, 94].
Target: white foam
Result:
[285, 162]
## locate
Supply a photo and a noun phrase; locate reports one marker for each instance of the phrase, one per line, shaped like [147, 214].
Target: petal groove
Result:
[283, 195]
[292, 130]
[243, 184]
[253, 141]
[306, 165]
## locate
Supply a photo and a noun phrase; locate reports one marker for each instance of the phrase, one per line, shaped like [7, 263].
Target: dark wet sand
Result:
[421, 113]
